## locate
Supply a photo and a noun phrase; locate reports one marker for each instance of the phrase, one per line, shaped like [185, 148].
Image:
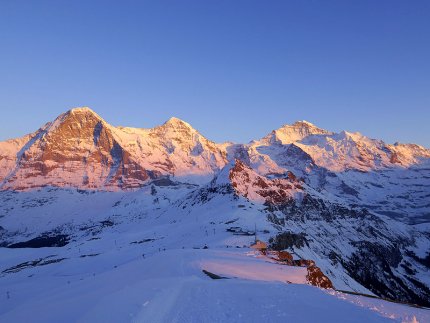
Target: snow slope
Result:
[120, 285]
[137, 256]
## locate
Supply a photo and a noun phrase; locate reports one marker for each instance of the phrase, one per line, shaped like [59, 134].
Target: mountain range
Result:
[358, 208]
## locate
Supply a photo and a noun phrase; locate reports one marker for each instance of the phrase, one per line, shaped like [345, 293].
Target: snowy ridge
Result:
[67, 151]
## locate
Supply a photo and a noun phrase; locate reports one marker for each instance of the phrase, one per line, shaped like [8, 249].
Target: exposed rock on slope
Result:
[249, 184]
[77, 149]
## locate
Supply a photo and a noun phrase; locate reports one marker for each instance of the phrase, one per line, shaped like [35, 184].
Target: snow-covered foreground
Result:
[130, 259]
[122, 285]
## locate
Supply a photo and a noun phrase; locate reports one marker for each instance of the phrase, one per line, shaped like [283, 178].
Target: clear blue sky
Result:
[233, 69]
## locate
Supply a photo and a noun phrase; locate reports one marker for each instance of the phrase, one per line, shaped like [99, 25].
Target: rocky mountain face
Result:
[358, 207]
[371, 249]
[79, 149]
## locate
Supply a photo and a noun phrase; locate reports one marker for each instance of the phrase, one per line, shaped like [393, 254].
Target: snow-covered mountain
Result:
[79, 149]
[80, 197]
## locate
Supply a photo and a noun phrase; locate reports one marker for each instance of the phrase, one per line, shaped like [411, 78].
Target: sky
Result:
[233, 69]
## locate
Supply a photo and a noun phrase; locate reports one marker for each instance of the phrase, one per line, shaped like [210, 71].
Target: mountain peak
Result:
[297, 131]
[173, 121]
[176, 123]
[303, 126]
[82, 111]
[303, 123]
[72, 122]
[81, 115]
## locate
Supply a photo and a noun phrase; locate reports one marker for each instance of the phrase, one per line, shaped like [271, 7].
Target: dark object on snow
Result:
[89, 255]
[238, 231]
[286, 240]
[107, 223]
[142, 241]
[38, 262]
[43, 241]
[212, 275]
[163, 182]
[231, 221]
